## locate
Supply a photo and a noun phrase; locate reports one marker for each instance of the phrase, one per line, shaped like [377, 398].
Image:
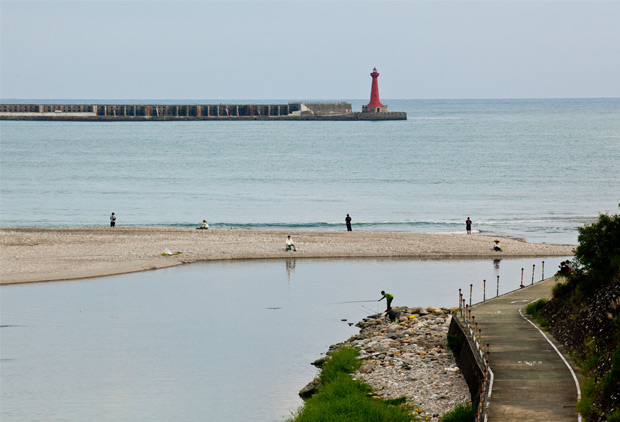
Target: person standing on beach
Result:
[112, 220]
[348, 221]
[388, 297]
[468, 225]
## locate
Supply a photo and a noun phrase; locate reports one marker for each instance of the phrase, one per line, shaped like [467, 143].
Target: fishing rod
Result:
[352, 301]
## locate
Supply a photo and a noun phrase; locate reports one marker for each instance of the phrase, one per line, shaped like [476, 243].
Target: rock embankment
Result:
[408, 358]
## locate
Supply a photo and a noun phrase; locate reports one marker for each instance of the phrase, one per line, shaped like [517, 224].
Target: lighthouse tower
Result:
[374, 106]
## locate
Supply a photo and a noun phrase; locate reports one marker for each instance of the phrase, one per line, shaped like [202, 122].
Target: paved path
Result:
[531, 380]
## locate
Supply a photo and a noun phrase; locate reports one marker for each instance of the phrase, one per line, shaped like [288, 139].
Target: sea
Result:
[233, 341]
[533, 169]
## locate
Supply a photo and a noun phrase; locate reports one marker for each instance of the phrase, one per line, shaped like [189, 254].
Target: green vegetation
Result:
[598, 252]
[344, 361]
[343, 399]
[463, 412]
[534, 309]
[455, 343]
[585, 315]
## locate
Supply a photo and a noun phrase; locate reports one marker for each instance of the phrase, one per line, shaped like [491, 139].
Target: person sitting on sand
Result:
[204, 226]
[496, 246]
[388, 297]
[290, 245]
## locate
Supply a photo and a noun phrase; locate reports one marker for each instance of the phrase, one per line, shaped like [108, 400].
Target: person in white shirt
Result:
[290, 245]
[204, 226]
[112, 220]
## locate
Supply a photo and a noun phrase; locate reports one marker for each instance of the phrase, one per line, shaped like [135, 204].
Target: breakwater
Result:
[182, 112]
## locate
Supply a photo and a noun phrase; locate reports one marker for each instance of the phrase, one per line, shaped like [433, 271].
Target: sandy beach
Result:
[34, 255]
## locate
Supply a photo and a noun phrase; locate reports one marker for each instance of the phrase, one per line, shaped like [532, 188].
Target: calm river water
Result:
[206, 342]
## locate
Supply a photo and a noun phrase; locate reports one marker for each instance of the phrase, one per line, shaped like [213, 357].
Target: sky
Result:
[305, 50]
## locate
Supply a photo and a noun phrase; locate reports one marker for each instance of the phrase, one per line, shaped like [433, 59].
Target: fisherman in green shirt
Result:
[389, 298]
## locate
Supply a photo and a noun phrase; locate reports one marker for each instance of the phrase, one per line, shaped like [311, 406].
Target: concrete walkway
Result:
[531, 380]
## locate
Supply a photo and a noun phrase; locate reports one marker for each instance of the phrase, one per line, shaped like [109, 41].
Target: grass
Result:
[463, 412]
[343, 399]
[533, 309]
[344, 361]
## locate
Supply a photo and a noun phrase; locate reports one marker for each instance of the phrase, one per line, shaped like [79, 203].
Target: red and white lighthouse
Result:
[374, 106]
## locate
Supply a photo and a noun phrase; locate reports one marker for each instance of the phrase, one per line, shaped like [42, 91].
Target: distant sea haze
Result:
[534, 169]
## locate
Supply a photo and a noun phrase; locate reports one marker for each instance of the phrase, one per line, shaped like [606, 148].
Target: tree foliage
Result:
[598, 253]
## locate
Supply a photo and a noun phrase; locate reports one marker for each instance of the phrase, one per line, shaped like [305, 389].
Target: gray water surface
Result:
[224, 341]
[535, 169]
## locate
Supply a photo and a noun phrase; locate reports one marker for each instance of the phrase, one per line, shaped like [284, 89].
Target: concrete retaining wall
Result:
[468, 361]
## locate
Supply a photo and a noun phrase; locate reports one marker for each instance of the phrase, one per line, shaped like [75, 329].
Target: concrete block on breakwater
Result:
[184, 112]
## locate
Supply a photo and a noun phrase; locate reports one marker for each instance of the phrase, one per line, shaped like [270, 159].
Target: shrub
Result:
[463, 412]
[585, 407]
[614, 417]
[611, 380]
[562, 289]
[534, 309]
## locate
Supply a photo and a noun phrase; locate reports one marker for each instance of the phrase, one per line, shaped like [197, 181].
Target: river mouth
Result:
[213, 341]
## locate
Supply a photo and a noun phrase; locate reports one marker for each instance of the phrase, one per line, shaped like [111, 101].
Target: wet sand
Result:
[34, 255]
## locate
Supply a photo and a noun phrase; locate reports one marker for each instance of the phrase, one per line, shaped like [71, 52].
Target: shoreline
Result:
[56, 254]
[406, 358]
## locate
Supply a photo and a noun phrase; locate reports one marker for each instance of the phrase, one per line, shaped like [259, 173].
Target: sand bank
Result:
[31, 255]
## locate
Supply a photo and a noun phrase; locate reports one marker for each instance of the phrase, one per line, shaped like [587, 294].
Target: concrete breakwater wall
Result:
[167, 112]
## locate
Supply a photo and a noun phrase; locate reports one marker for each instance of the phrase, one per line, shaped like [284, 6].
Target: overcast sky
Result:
[295, 50]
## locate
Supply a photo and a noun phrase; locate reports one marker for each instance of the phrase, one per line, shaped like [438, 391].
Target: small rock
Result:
[366, 369]
[310, 389]
[319, 362]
